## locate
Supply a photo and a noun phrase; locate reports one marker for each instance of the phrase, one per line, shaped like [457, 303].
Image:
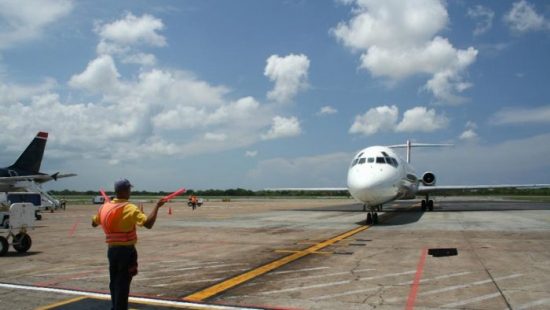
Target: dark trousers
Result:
[122, 267]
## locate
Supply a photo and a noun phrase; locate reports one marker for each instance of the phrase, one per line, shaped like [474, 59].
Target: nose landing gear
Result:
[372, 216]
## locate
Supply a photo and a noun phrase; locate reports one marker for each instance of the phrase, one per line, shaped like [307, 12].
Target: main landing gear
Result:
[427, 204]
[372, 216]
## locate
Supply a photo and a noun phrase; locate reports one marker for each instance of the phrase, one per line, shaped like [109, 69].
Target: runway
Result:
[298, 254]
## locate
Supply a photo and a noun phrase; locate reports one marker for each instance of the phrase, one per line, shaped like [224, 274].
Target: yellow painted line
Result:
[249, 275]
[294, 251]
[62, 303]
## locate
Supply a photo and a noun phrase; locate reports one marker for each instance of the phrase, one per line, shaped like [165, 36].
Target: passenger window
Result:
[380, 160]
[362, 161]
[370, 160]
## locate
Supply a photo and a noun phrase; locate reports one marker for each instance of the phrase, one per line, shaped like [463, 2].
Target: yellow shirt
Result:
[131, 215]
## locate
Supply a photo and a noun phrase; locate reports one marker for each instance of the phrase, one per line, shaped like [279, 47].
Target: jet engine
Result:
[428, 179]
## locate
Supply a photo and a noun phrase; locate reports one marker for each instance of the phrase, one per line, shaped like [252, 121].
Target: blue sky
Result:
[254, 94]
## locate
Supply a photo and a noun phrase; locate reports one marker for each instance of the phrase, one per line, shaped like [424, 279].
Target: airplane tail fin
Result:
[410, 145]
[31, 159]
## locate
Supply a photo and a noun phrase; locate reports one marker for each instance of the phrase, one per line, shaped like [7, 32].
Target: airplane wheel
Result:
[375, 218]
[22, 242]
[369, 219]
[3, 246]
[423, 205]
[430, 205]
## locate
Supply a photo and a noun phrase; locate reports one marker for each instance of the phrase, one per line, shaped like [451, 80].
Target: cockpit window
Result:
[362, 160]
[385, 154]
[370, 160]
[392, 161]
[380, 160]
[358, 156]
[354, 162]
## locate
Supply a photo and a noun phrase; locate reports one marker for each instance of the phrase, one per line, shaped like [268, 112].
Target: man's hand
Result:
[160, 203]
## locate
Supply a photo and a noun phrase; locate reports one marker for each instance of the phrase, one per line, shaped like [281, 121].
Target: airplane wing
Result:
[39, 178]
[422, 190]
[307, 189]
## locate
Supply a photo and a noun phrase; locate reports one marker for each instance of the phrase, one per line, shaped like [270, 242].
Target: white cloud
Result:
[132, 30]
[469, 134]
[101, 76]
[472, 163]
[398, 39]
[476, 163]
[215, 136]
[26, 20]
[381, 118]
[250, 153]
[327, 110]
[289, 74]
[283, 127]
[157, 111]
[523, 18]
[15, 92]
[140, 59]
[327, 170]
[122, 37]
[484, 18]
[420, 119]
[384, 118]
[512, 116]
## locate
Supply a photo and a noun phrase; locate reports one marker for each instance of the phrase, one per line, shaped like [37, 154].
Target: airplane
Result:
[377, 176]
[25, 172]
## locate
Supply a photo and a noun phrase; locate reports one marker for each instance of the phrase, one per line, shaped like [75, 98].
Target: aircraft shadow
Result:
[17, 254]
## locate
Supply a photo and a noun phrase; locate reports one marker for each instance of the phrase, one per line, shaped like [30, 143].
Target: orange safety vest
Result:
[109, 215]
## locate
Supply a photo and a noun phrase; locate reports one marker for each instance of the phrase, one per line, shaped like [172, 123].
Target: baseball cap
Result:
[122, 185]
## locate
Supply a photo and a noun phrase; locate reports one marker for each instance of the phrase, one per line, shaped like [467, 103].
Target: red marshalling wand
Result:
[174, 194]
[102, 192]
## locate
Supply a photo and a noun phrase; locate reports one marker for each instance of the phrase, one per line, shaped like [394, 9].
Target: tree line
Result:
[264, 193]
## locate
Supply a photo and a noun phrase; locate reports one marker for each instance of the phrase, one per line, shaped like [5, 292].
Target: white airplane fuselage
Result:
[377, 175]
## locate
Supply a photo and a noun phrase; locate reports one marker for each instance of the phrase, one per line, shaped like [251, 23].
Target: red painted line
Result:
[73, 229]
[416, 282]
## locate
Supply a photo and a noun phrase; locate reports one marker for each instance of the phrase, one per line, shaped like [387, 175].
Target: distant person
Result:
[194, 202]
[119, 219]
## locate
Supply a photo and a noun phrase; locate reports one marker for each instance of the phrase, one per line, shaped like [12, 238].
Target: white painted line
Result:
[91, 277]
[205, 267]
[345, 293]
[456, 287]
[312, 277]
[131, 299]
[188, 282]
[138, 278]
[335, 283]
[305, 287]
[375, 288]
[387, 275]
[66, 272]
[437, 278]
[471, 300]
[544, 301]
[164, 269]
[296, 270]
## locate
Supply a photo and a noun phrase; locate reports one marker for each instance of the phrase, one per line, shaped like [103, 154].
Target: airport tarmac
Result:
[297, 254]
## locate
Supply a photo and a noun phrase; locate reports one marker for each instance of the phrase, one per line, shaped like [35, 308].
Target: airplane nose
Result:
[371, 186]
